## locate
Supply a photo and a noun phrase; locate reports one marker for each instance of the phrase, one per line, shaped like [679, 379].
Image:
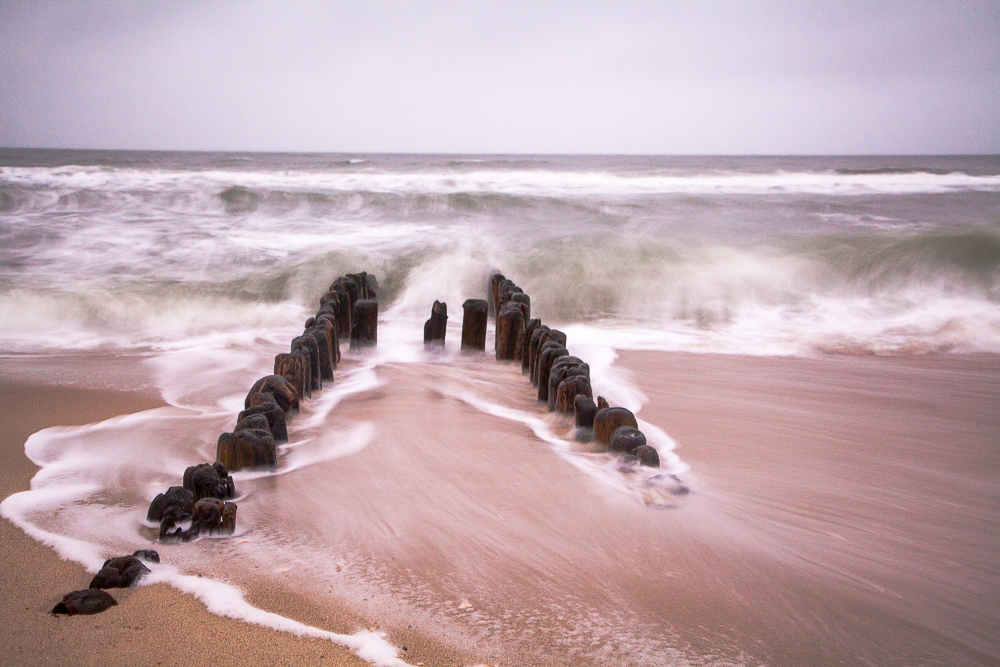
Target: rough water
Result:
[783, 255]
[429, 491]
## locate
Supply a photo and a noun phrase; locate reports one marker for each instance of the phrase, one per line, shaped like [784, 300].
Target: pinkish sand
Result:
[152, 625]
[844, 511]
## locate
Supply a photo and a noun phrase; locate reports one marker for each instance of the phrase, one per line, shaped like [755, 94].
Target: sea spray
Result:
[132, 251]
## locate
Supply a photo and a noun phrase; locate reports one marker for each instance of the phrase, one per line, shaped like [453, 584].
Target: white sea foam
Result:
[609, 381]
[842, 325]
[18, 507]
[538, 182]
[327, 445]
[730, 300]
[602, 469]
[219, 598]
[225, 600]
[35, 320]
[126, 257]
[87, 471]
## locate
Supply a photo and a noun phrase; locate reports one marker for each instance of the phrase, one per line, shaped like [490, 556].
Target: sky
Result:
[621, 77]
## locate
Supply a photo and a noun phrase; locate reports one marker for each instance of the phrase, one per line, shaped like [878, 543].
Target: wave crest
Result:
[519, 182]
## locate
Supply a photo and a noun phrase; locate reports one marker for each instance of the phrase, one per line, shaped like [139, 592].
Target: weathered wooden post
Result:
[562, 368]
[292, 367]
[517, 296]
[524, 343]
[308, 346]
[436, 327]
[364, 324]
[551, 351]
[585, 410]
[535, 342]
[608, 420]
[493, 293]
[474, 316]
[326, 363]
[329, 322]
[569, 389]
[510, 322]
[549, 336]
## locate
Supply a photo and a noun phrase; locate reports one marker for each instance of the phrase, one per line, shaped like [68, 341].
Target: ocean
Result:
[429, 490]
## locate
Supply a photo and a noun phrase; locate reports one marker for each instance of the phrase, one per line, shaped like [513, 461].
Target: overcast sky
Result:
[525, 77]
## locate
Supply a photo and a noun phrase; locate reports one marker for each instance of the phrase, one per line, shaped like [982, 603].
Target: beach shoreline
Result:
[152, 625]
[777, 449]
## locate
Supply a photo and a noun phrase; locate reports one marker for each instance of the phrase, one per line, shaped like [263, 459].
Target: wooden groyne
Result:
[202, 504]
[203, 500]
[563, 380]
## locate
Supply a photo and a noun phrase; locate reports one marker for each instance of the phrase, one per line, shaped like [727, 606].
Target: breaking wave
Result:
[783, 256]
[239, 188]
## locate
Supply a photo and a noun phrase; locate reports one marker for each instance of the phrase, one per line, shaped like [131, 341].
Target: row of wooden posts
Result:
[349, 310]
[202, 501]
[563, 380]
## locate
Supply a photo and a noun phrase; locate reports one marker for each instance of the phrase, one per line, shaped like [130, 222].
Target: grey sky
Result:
[529, 77]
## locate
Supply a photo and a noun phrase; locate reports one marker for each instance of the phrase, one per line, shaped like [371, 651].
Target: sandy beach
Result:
[152, 625]
[867, 486]
[843, 511]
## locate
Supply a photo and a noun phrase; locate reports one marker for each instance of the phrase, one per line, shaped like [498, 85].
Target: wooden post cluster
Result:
[563, 380]
[348, 308]
[263, 424]
[513, 312]
[351, 304]
[201, 499]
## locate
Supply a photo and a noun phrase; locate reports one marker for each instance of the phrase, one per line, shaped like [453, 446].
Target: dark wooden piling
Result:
[608, 420]
[569, 390]
[585, 409]
[364, 325]
[474, 317]
[550, 352]
[330, 324]
[534, 343]
[307, 345]
[493, 292]
[292, 367]
[437, 326]
[510, 323]
[326, 365]
[563, 369]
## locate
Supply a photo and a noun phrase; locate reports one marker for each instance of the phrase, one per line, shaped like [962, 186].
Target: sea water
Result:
[207, 264]
[784, 255]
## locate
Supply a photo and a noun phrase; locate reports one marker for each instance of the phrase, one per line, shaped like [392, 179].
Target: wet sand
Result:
[868, 487]
[152, 625]
[844, 511]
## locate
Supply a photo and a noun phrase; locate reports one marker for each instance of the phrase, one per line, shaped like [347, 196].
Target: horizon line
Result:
[520, 154]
